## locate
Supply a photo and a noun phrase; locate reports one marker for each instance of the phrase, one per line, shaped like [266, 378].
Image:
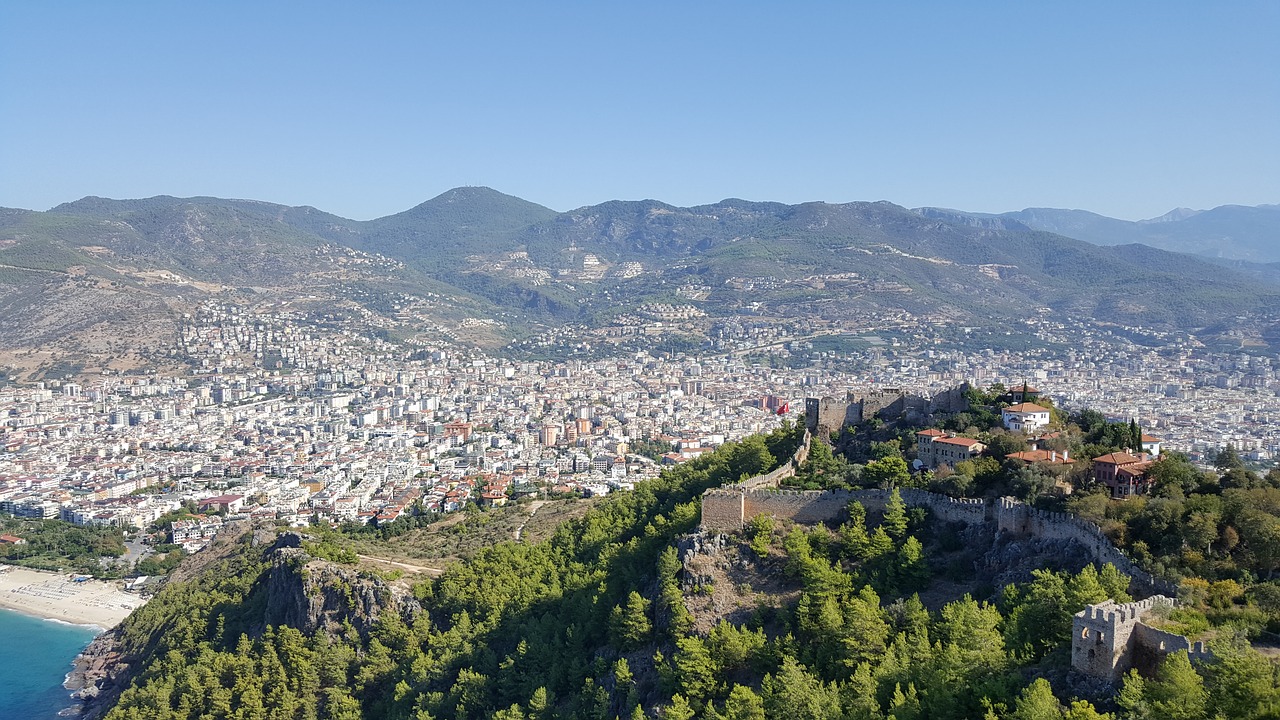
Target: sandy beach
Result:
[57, 596]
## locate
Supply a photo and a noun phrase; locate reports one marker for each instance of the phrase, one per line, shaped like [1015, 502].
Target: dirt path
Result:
[533, 510]
[433, 572]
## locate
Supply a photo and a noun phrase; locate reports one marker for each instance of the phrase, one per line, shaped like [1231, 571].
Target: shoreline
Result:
[56, 597]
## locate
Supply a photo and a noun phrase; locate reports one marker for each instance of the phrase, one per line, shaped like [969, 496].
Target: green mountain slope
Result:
[981, 270]
[518, 267]
[441, 232]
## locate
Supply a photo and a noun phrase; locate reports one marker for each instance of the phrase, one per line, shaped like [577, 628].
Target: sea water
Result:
[35, 657]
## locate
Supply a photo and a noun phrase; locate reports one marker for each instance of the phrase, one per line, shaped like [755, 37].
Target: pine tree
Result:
[863, 631]
[1133, 697]
[695, 672]
[679, 709]
[854, 542]
[1177, 692]
[859, 695]
[905, 705]
[1115, 584]
[743, 704]
[795, 694]
[912, 571]
[629, 622]
[1085, 588]
[1241, 684]
[540, 704]
[1036, 702]
[895, 516]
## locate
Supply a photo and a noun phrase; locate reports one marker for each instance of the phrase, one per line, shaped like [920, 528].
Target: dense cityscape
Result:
[283, 420]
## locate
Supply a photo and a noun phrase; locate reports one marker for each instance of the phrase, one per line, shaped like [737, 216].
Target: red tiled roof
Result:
[1026, 408]
[1034, 456]
[1135, 471]
[1120, 458]
[961, 441]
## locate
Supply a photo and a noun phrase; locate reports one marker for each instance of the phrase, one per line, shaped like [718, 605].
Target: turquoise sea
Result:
[36, 656]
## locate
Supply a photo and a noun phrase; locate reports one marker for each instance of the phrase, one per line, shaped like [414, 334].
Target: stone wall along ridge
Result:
[727, 510]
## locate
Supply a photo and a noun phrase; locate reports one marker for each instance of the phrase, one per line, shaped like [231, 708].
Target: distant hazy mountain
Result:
[124, 268]
[1235, 232]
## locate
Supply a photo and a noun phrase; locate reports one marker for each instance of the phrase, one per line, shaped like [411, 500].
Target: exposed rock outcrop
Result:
[294, 589]
[315, 595]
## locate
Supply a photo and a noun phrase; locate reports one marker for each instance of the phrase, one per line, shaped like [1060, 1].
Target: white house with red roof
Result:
[1025, 417]
[1151, 445]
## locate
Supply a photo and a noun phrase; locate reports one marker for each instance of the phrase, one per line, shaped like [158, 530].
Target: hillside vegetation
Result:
[595, 622]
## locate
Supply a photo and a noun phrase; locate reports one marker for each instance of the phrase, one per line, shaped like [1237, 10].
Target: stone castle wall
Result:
[1021, 519]
[1108, 639]
[830, 414]
[722, 510]
[803, 506]
[1161, 643]
[727, 509]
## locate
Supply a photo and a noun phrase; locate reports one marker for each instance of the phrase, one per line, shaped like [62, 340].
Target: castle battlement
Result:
[1109, 638]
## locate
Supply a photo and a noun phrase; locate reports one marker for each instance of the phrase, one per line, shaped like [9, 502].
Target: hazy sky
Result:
[365, 109]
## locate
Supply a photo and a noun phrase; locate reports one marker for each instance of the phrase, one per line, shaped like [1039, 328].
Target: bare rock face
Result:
[315, 595]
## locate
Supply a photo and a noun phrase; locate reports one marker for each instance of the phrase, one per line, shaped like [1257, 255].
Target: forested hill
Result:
[604, 620]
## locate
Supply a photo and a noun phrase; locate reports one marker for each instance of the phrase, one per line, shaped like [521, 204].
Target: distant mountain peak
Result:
[1173, 215]
[474, 198]
[468, 192]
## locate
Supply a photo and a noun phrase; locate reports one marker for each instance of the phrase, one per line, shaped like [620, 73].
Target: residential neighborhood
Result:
[281, 420]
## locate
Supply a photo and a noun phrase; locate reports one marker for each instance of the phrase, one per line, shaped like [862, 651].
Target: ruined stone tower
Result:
[1108, 638]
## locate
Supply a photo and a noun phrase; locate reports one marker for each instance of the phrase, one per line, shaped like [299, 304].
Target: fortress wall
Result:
[1162, 641]
[830, 414]
[950, 401]
[815, 506]
[727, 509]
[802, 506]
[722, 511]
[771, 480]
[802, 453]
[945, 508]
[1020, 519]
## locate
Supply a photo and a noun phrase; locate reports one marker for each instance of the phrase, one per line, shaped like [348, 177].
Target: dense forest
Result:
[596, 623]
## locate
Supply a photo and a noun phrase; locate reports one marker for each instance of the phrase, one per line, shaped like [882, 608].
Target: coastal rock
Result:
[101, 673]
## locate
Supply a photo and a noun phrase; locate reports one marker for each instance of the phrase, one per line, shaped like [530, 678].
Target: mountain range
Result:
[1231, 232]
[113, 278]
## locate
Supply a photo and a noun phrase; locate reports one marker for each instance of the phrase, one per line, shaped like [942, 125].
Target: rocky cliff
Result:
[286, 587]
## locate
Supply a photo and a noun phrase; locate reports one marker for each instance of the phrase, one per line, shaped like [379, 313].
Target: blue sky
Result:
[365, 109]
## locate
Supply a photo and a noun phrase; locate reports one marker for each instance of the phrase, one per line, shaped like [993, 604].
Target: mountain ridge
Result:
[1233, 232]
[492, 267]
